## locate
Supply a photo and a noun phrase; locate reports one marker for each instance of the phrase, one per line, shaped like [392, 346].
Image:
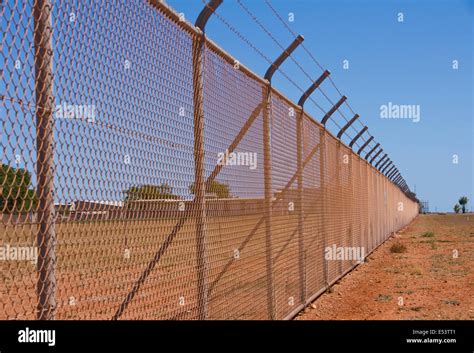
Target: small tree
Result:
[16, 194]
[457, 208]
[463, 201]
[221, 190]
[150, 192]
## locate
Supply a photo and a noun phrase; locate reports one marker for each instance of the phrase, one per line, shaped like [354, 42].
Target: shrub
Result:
[398, 248]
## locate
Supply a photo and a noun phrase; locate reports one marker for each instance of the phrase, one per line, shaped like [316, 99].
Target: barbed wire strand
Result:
[373, 142]
[269, 61]
[313, 59]
[272, 37]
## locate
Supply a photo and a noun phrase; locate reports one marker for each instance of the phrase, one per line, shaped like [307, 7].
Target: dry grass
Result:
[398, 248]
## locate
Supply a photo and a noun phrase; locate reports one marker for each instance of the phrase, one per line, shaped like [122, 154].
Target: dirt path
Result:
[425, 281]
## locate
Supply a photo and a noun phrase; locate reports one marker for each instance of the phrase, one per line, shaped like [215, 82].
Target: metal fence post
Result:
[299, 132]
[322, 181]
[199, 170]
[267, 175]
[340, 189]
[299, 204]
[46, 237]
[351, 203]
[267, 171]
[199, 181]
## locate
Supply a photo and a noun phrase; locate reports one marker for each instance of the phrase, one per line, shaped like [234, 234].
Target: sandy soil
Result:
[426, 281]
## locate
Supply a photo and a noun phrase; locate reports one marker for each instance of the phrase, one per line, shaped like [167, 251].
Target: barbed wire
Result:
[254, 47]
[287, 76]
[237, 33]
[272, 37]
[310, 54]
[130, 133]
[314, 60]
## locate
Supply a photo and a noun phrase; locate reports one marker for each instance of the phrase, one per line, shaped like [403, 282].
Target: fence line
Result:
[169, 181]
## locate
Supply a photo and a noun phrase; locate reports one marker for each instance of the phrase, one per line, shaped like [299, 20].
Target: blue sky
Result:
[407, 63]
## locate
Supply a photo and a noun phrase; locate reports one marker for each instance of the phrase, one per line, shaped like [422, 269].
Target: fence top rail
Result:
[210, 44]
[171, 13]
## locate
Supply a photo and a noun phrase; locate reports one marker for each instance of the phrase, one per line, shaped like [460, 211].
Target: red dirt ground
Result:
[425, 282]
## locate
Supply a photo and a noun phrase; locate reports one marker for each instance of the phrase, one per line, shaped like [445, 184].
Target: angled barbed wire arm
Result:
[333, 110]
[382, 161]
[376, 155]
[207, 12]
[384, 164]
[267, 173]
[282, 57]
[390, 170]
[398, 183]
[371, 151]
[397, 178]
[348, 124]
[392, 173]
[386, 167]
[379, 160]
[312, 88]
[387, 170]
[366, 143]
[387, 164]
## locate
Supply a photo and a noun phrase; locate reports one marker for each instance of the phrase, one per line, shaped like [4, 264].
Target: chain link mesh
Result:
[117, 204]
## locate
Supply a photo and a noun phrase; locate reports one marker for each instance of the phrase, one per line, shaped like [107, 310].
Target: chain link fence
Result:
[146, 176]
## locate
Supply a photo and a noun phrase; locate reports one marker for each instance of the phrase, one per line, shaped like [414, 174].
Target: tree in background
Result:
[457, 208]
[15, 193]
[463, 201]
[150, 192]
[222, 191]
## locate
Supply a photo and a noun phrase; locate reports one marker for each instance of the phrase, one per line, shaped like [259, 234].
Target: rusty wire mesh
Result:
[107, 211]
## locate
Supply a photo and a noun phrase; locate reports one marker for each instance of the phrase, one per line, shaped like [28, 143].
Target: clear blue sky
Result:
[407, 62]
